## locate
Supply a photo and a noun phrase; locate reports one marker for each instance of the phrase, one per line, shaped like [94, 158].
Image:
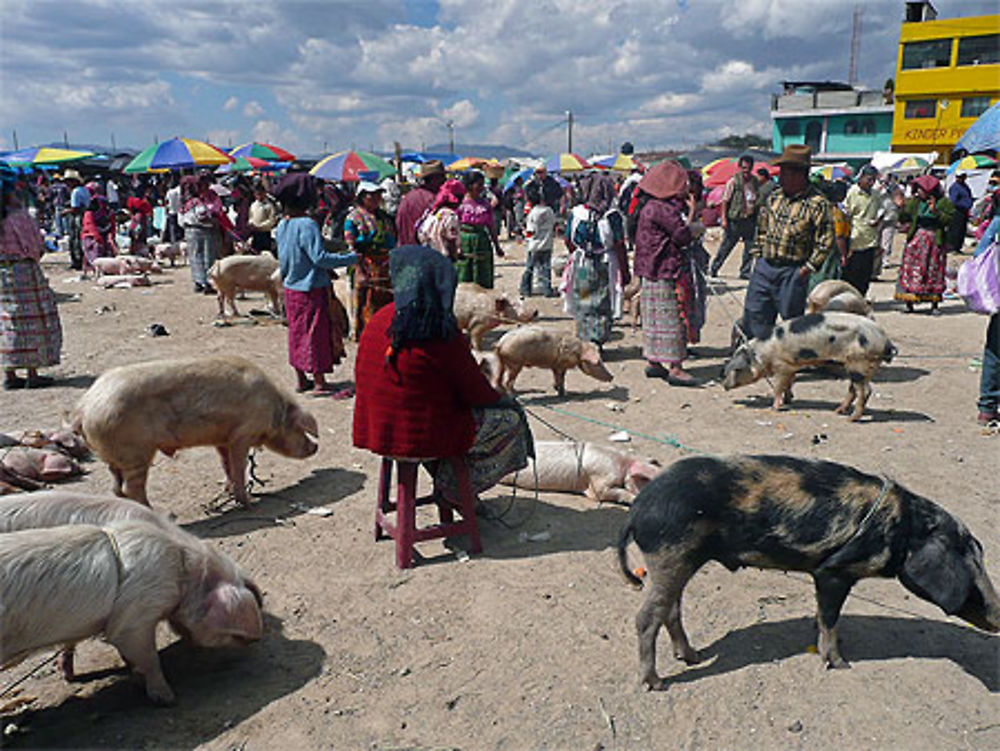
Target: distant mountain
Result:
[484, 150]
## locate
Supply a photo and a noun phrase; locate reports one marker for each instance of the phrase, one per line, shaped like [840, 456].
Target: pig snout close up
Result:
[600, 473]
[813, 340]
[479, 310]
[255, 273]
[133, 411]
[63, 584]
[539, 347]
[830, 520]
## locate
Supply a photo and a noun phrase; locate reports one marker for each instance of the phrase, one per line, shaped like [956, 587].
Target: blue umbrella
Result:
[984, 134]
[524, 174]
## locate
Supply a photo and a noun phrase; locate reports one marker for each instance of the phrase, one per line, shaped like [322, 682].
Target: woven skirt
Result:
[664, 336]
[315, 344]
[30, 332]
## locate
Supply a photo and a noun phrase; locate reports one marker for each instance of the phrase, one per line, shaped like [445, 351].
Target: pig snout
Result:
[596, 370]
[295, 438]
[232, 618]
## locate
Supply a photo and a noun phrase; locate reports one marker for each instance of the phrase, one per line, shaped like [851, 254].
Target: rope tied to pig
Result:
[887, 485]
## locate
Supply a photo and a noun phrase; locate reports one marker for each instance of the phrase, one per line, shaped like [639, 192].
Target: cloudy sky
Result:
[316, 76]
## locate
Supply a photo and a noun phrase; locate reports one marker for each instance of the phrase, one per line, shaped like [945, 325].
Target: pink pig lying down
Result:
[133, 411]
[63, 584]
[600, 473]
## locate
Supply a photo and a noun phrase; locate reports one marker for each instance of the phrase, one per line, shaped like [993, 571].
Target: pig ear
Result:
[642, 473]
[234, 610]
[255, 591]
[299, 418]
[938, 573]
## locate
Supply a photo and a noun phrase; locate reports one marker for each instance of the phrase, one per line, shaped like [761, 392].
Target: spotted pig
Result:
[835, 522]
[858, 343]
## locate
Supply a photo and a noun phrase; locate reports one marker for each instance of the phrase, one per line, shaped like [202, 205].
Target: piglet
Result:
[115, 265]
[837, 296]
[536, 346]
[40, 465]
[479, 310]
[257, 273]
[858, 343]
[63, 584]
[133, 411]
[170, 251]
[600, 473]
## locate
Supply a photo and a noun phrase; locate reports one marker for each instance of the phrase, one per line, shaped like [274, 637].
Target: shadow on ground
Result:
[815, 405]
[216, 689]
[863, 638]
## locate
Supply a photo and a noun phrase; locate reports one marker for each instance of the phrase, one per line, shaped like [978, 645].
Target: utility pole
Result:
[855, 45]
[15, 140]
[114, 148]
[569, 133]
[451, 136]
[65, 139]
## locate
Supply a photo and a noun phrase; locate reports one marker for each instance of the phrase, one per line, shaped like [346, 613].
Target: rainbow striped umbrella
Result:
[251, 163]
[472, 162]
[566, 162]
[973, 161]
[833, 172]
[352, 167]
[42, 155]
[620, 162]
[177, 153]
[909, 164]
[263, 151]
[719, 171]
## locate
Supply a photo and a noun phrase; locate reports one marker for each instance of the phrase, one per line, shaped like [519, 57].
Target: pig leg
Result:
[226, 467]
[135, 482]
[603, 491]
[231, 297]
[137, 647]
[559, 381]
[669, 573]
[237, 462]
[831, 591]
[511, 375]
[782, 389]
[117, 475]
[66, 662]
[862, 390]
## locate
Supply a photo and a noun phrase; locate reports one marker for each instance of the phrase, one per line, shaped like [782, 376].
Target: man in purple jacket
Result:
[417, 201]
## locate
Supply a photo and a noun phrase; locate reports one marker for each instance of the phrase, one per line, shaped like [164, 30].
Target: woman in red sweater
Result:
[420, 393]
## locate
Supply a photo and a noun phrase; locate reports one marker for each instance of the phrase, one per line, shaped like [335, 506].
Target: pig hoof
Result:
[854, 418]
[689, 657]
[66, 665]
[837, 663]
[654, 683]
[161, 697]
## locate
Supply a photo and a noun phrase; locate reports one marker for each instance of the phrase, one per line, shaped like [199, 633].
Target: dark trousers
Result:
[738, 229]
[858, 269]
[989, 380]
[76, 242]
[773, 290]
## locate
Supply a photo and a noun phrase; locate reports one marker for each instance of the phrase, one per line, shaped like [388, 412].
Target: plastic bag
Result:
[979, 281]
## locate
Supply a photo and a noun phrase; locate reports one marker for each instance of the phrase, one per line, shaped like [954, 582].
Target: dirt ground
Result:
[532, 644]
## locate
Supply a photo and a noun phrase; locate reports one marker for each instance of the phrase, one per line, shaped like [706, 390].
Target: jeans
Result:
[537, 276]
[989, 380]
[773, 290]
[738, 229]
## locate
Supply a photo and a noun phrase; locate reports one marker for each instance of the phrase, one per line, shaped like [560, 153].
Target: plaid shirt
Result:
[795, 230]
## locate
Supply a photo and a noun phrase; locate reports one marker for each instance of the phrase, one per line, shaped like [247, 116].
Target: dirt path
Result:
[531, 644]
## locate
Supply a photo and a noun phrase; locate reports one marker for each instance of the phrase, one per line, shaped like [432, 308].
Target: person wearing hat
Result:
[315, 338]
[794, 237]
[739, 216]
[79, 200]
[368, 232]
[960, 196]
[30, 331]
[922, 272]
[862, 205]
[415, 204]
[669, 316]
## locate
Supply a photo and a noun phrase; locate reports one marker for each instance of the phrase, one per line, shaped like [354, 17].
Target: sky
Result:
[318, 76]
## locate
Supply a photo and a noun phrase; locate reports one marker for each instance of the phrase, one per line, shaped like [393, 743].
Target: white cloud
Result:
[462, 113]
[231, 104]
[253, 109]
[738, 74]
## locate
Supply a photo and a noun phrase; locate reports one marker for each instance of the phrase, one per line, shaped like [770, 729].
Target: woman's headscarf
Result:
[423, 289]
[297, 190]
[665, 180]
[449, 194]
[929, 183]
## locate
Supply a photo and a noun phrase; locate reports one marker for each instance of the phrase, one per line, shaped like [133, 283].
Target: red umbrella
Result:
[719, 172]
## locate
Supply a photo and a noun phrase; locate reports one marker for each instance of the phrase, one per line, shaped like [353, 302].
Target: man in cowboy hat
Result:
[79, 202]
[794, 237]
[415, 203]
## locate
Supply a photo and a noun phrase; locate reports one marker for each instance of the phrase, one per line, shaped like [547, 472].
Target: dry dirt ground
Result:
[531, 644]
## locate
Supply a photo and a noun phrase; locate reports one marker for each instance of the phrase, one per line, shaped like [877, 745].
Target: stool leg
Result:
[384, 484]
[406, 513]
[468, 500]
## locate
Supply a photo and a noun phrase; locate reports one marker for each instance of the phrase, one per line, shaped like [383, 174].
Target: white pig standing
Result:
[479, 310]
[132, 411]
[858, 343]
[63, 584]
[536, 346]
[256, 273]
[600, 473]
[837, 296]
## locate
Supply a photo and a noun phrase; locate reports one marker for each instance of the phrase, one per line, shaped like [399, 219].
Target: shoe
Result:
[39, 382]
[14, 382]
[691, 382]
[198, 288]
[209, 289]
[303, 387]
[983, 418]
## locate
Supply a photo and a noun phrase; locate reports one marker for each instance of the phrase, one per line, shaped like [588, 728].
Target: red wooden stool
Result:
[403, 529]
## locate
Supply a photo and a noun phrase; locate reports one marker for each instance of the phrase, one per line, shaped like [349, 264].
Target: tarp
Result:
[984, 134]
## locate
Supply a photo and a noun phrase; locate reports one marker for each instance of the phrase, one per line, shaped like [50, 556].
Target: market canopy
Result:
[984, 134]
[42, 155]
[177, 153]
[352, 166]
[265, 151]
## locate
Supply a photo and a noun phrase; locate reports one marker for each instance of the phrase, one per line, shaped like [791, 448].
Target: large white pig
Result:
[131, 412]
[539, 347]
[479, 310]
[600, 473]
[256, 273]
[836, 295]
[63, 584]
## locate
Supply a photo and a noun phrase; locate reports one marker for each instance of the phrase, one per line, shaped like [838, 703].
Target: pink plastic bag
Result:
[979, 281]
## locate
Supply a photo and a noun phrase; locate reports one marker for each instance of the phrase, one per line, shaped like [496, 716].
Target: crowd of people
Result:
[620, 233]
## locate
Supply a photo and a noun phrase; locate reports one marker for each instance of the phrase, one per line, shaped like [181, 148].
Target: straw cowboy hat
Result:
[72, 174]
[795, 155]
[433, 167]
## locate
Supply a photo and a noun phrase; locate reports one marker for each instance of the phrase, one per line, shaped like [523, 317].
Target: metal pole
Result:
[113, 146]
[451, 136]
[569, 134]
[15, 140]
[65, 139]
